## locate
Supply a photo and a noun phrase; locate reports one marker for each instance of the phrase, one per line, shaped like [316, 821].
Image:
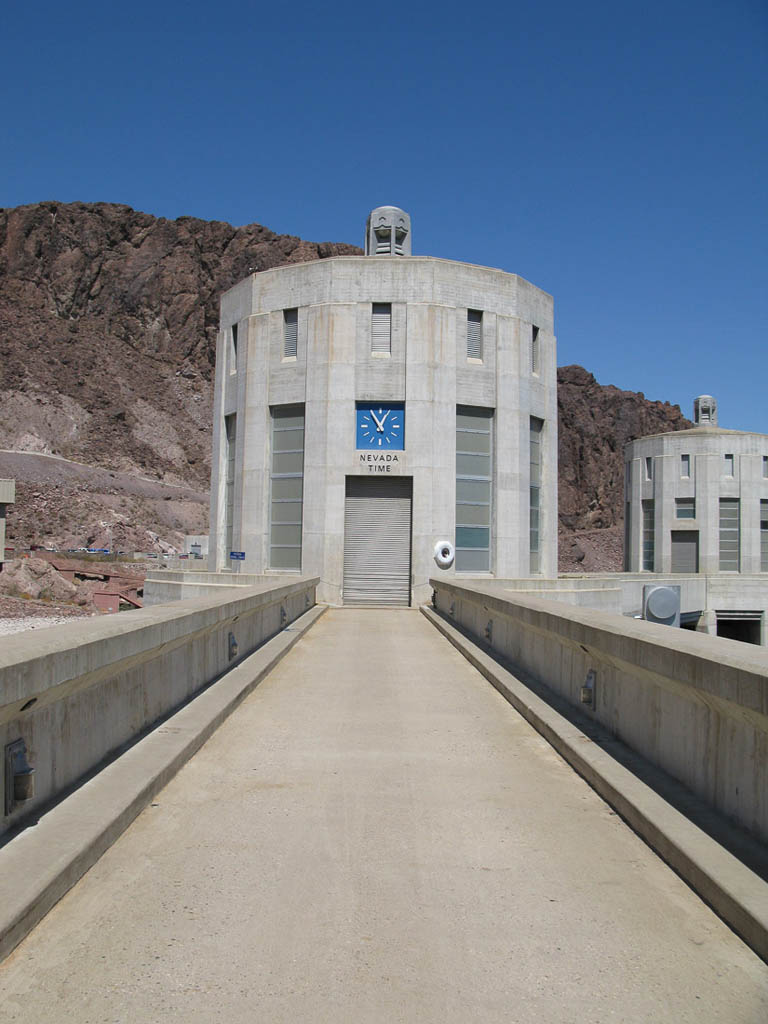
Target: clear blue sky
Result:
[613, 154]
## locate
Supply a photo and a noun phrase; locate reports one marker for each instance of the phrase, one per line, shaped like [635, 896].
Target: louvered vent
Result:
[290, 332]
[381, 327]
[474, 334]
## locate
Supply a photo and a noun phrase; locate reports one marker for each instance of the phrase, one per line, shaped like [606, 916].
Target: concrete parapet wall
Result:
[163, 585]
[694, 705]
[79, 693]
[177, 563]
[705, 596]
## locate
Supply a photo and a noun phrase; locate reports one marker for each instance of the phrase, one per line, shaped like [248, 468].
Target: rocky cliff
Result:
[595, 421]
[108, 321]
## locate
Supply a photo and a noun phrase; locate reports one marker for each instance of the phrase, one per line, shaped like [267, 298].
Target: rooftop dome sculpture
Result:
[705, 411]
[388, 232]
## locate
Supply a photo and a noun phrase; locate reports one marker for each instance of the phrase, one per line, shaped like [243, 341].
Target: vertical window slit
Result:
[474, 450]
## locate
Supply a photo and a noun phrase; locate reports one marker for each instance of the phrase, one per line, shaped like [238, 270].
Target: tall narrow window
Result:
[730, 540]
[287, 487]
[474, 334]
[381, 328]
[729, 463]
[534, 349]
[765, 467]
[290, 333]
[763, 535]
[685, 465]
[473, 489]
[534, 517]
[230, 431]
[649, 536]
[233, 349]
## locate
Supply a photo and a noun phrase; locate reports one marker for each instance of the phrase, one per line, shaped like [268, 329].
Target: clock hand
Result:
[383, 418]
[379, 423]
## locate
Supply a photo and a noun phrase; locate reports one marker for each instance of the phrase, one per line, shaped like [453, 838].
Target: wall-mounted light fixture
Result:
[587, 693]
[19, 775]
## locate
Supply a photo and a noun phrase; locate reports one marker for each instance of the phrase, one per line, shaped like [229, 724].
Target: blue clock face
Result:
[381, 426]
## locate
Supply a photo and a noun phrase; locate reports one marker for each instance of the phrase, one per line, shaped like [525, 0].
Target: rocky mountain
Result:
[70, 505]
[108, 321]
[595, 421]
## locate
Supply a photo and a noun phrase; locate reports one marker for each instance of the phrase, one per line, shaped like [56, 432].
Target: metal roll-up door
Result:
[685, 551]
[377, 541]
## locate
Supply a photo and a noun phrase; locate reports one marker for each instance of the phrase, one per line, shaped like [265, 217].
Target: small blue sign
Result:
[237, 556]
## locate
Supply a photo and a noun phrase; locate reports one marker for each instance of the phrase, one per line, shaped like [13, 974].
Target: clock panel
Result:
[381, 426]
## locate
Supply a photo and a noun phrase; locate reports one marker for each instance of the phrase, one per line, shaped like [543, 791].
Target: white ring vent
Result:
[444, 554]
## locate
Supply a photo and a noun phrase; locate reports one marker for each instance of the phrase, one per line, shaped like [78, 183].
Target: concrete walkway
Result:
[375, 835]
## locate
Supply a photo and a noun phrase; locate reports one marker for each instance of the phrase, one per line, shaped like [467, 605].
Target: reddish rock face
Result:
[108, 321]
[595, 421]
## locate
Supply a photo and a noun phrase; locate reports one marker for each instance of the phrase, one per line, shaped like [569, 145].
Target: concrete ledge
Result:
[694, 706]
[79, 694]
[177, 583]
[736, 893]
[39, 865]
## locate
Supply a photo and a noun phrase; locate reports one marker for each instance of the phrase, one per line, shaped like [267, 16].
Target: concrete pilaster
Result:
[511, 527]
[251, 527]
